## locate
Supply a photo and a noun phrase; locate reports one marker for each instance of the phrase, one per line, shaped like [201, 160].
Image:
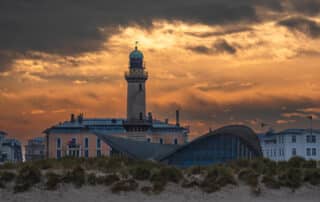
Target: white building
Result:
[281, 146]
[10, 149]
[35, 149]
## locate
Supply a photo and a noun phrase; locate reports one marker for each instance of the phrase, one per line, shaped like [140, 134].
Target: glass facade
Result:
[212, 150]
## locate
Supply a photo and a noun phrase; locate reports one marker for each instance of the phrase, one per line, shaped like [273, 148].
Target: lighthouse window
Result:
[140, 87]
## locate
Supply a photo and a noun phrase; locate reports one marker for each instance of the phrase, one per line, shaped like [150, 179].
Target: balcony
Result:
[134, 75]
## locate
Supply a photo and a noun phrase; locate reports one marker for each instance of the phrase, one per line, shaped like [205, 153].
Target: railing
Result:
[136, 74]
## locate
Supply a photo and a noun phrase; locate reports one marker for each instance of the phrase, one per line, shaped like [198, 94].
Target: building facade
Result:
[77, 136]
[10, 149]
[35, 149]
[281, 146]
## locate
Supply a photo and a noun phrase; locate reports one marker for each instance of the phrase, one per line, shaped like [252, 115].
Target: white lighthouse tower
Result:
[136, 92]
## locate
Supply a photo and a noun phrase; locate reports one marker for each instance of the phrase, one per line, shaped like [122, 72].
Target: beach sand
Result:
[173, 193]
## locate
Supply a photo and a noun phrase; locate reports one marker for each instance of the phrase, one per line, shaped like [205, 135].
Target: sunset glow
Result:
[216, 74]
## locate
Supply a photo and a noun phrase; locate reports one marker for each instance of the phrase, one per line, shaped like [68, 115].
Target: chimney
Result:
[177, 118]
[72, 118]
[80, 118]
[150, 117]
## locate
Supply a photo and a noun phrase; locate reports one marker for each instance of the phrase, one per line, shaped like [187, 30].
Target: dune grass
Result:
[123, 174]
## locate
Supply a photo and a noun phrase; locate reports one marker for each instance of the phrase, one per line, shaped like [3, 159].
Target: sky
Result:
[219, 61]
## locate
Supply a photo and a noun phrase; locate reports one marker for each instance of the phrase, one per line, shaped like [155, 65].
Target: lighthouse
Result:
[136, 78]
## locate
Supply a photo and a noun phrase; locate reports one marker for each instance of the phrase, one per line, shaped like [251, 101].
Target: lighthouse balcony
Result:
[136, 74]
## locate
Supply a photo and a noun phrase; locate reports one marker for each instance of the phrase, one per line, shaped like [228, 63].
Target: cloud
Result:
[281, 121]
[227, 31]
[303, 25]
[212, 113]
[309, 7]
[227, 86]
[310, 110]
[37, 111]
[218, 47]
[80, 82]
[68, 28]
[222, 46]
[64, 27]
[200, 49]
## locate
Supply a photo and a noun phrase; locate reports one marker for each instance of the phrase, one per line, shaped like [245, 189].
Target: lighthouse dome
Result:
[136, 54]
[136, 58]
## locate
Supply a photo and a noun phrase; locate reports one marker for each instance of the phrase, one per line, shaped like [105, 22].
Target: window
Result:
[98, 153]
[308, 152]
[311, 139]
[175, 141]
[86, 142]
[294, 139]
[161, 141]
[98, 143]
[58, 154]
[86, 153]
[314, 152]
[294, 151]
[58, 142]
[149, 140]
[140, 87]
[141, 115]
[308, 138]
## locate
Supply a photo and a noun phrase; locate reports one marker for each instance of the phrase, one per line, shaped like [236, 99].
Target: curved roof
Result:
[146, 150]
[244, 132]
[136, 54]
[137, 149]
[241, 131]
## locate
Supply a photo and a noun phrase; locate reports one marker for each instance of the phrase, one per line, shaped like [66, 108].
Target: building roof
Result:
[146, 150]
[290, 131]
[3, 133]
[137, 149]
[11, 142]
[109, 125]
[241, 131]
[136, 54]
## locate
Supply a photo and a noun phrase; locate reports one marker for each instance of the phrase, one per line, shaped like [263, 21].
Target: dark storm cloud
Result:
[303, 25]
[219, 46]
[309, 7]
[69, 27]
